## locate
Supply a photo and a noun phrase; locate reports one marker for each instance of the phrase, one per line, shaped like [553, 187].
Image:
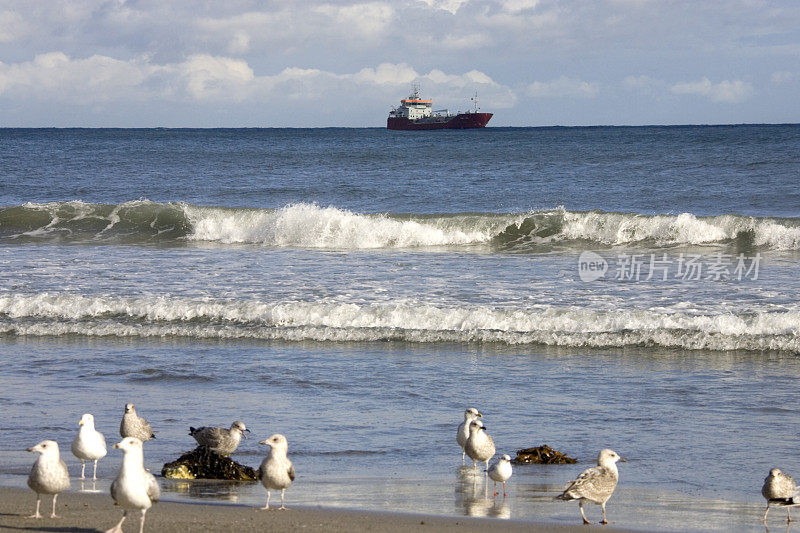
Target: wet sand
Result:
[85, 512]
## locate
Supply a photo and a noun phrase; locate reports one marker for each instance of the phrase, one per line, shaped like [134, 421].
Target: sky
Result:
[242, 63]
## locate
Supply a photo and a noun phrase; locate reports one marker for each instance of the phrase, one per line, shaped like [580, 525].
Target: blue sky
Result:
[343, 63]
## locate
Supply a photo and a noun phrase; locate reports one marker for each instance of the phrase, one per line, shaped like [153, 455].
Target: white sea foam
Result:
[311, 226]
[686, 228]
[62, 313]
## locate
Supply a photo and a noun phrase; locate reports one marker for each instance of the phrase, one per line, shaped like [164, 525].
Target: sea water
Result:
[357, 289]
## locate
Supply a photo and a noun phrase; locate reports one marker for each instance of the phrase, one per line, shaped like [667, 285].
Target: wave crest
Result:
[310, 226]
[62, 313]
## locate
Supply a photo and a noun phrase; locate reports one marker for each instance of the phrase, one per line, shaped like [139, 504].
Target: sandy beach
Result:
[83, 512]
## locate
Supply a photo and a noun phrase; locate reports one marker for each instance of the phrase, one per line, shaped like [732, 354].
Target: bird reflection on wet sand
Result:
[473, 498]
[212, 489]
[93, 486]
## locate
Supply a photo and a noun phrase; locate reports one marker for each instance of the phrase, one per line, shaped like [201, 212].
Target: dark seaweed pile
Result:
[202, 463]
[542, 455]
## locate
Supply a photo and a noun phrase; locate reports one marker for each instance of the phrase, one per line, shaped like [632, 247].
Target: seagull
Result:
[779, 488]
[463, 429]
[595, 484]
[500, 471]
[89, 444]
[134, 487]
[276, 470]
[49, 474]
[479, 446]
[220, 440]
[133, 425]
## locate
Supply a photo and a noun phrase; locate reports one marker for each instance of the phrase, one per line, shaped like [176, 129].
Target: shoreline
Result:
[87, 512]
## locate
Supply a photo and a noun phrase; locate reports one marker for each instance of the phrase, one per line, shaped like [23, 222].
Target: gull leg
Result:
[83, 469]
[118, 527]
[604, 521]
[94, 475]
[580, 506]
[504, 489]
[495, 489]
[141, 522]
[38, 502]
[766, 512]
[283, 493]
[788, 514]
[463, 455]
[266, 505]
[53, 513]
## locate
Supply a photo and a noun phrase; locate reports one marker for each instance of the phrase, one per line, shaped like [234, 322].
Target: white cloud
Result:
[12, 26]
[725, 91]
[55, 76]
[451, 6]
[470, 41]
[239, 43]
[206, 78]
[563, 87]
[782, 77]
[368, 19]
[515, 6]
[209, 77]
[642, 83]
[387, 74]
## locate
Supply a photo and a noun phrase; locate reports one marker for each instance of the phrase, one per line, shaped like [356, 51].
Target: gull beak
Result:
[621, 460]
[28, 449]
[80, 422]
[480, 415]
[245, 431]
[263, 442]
[116, 445]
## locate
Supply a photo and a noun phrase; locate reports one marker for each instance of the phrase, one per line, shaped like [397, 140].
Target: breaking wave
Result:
[311, 226]
[54, 314]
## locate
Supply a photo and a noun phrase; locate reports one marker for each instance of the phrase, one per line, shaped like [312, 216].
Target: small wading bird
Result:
[462, 434]
[480, 446]
[780, 488]
[595, 484]
[89, 444]
[134, 487]
[133, 425]
[220, 440]
[500, 472]
[276, 470]
[49, 474]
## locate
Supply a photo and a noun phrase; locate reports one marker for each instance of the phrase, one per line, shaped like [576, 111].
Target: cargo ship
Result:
[415, 113]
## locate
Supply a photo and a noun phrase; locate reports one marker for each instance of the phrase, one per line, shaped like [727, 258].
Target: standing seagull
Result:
[89, 444]
[779, 488]
[133, 425]
[595, 484]
[220, 440]
[500, 471]
[276, 470]
[134, 487]
[49, 474]
[463, 429]
[479, 446]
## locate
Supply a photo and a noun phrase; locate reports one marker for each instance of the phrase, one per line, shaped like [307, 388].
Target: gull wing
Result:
[153, 489]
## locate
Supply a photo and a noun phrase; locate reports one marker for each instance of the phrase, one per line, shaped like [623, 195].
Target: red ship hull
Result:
[462, 121]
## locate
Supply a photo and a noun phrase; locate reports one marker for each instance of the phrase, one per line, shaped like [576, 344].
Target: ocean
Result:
[632, 288]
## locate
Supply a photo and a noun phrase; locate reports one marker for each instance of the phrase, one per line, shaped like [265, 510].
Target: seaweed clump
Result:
[202, 463]
[542, 455]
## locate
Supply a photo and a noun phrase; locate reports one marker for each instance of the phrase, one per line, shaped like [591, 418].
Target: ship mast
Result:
[475, 100]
